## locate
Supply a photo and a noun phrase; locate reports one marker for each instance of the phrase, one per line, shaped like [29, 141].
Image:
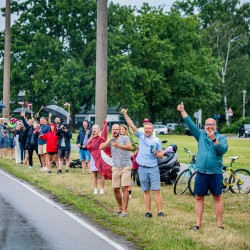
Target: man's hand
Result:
[210, 134]
[50, 115]
[180, 107]
[22, 114]
[78, 145]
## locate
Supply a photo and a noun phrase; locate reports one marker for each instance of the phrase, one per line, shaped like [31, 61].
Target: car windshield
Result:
[247, 126]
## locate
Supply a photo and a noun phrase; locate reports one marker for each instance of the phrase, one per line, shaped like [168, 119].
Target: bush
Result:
[179, 129]
[233, 128]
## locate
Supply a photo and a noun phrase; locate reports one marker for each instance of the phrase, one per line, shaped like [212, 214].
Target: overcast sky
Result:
[136, 3]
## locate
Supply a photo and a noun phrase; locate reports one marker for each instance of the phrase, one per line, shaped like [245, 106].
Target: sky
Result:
[137, 3]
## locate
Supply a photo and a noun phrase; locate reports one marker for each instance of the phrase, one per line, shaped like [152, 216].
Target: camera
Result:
[63, 127]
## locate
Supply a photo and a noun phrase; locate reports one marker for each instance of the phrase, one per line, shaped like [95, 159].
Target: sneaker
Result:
[130, 196]
[30, 167]
[148, 215]
[45, 169]
[101, 191]
[194, 228]
[67, 170]
[161, 214]
[41, 169]
[49, 172]
[59, 171]
[123, 215]
[95, 191]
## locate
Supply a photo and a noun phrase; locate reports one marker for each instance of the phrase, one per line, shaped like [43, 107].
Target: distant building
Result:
[112, 117]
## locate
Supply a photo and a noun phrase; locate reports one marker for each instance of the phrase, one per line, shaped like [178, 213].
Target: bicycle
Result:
[181, 183]
[238, 181]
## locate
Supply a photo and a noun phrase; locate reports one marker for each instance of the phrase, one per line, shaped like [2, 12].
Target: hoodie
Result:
[52, 140]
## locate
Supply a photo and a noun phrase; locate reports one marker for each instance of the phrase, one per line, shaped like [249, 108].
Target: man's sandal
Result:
[194, 228]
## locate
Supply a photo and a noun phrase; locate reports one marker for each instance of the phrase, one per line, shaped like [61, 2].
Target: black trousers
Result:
[31, 148]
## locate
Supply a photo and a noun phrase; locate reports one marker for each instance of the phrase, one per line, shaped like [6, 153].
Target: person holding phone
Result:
[211, 148]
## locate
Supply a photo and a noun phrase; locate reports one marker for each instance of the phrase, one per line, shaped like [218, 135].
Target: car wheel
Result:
[245, 135]
[239, 135]
[161, 133]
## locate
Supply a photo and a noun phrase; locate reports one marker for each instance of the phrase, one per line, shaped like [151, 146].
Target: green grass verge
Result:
[171, 232]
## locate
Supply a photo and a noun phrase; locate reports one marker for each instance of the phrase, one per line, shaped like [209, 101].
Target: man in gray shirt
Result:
[121, 170]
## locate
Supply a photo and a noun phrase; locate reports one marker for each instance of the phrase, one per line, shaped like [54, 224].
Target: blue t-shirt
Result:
[145, 156]
[44, 129]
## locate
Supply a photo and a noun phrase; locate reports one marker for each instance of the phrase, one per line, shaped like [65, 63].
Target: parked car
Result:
[171, 126]
[160, 129]
[244, 130]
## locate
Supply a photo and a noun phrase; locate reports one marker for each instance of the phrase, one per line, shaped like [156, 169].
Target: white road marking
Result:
[74, 217]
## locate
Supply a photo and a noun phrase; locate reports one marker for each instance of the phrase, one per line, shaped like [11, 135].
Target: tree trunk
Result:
[6, 77]
[101, 64]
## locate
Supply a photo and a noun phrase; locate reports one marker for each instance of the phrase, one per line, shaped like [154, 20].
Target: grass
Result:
[171, 232]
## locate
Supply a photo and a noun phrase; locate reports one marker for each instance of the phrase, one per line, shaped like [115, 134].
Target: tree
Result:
[226, 26]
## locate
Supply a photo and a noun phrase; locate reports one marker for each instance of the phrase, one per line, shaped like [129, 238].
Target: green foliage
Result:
[233, 128]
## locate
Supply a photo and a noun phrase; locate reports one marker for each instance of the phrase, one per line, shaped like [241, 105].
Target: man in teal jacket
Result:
[211, 147]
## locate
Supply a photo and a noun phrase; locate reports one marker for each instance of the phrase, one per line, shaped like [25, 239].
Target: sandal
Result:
[119, 213]
[194, 228]
[221, 228]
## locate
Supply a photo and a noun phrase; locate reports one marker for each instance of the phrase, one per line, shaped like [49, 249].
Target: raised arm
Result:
[181, 109]
[129, 121]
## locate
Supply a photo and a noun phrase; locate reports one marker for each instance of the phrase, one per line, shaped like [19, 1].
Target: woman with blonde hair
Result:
[95, 173]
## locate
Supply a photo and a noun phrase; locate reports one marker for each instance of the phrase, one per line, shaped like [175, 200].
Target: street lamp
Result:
[244, 102]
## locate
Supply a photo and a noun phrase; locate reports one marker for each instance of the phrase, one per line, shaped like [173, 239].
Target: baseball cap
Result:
[146, 120]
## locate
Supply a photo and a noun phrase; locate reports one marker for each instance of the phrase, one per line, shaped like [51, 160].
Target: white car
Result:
[160, 129]
[171, 126]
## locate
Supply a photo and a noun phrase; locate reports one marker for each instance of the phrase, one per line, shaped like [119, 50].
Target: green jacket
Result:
[209, 156]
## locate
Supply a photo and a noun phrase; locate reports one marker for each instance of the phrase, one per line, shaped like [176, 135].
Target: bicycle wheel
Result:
[239, 181]
[191, 183]
[181, 183]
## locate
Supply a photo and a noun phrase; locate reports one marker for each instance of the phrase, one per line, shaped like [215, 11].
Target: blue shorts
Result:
[3, 142]
[11, 143]
[84, 155]
[149, 178]
[205, 182]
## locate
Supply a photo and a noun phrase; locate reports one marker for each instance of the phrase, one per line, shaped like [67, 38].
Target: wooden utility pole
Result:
[6, 74]
[101, 63]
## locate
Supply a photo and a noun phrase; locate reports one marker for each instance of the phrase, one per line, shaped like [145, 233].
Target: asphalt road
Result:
[29, 220]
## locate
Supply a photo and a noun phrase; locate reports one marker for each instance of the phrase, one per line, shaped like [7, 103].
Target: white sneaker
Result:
[30, 166]
[95, 191]
[101, 191]
[41, 169]
[45, 169]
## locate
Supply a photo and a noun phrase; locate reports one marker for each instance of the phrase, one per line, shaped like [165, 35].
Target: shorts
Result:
[121, 176]
[52, 153]
[11, 143]
[149, 178]
[42, 149]
[84, 155]
[205, 182]
[3, 142]
[63, 153]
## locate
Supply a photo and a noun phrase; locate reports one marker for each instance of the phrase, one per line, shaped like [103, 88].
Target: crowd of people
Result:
[51, 142]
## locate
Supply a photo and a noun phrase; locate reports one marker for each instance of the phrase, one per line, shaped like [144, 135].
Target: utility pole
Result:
[244, 103]
[6, 74]
[101, 63]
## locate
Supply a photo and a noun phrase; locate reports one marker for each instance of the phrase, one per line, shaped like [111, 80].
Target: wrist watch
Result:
[214, 140]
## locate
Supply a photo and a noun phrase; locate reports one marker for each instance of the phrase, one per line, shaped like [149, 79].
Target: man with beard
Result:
[211, 148]
[121, 170]
[149, 150]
